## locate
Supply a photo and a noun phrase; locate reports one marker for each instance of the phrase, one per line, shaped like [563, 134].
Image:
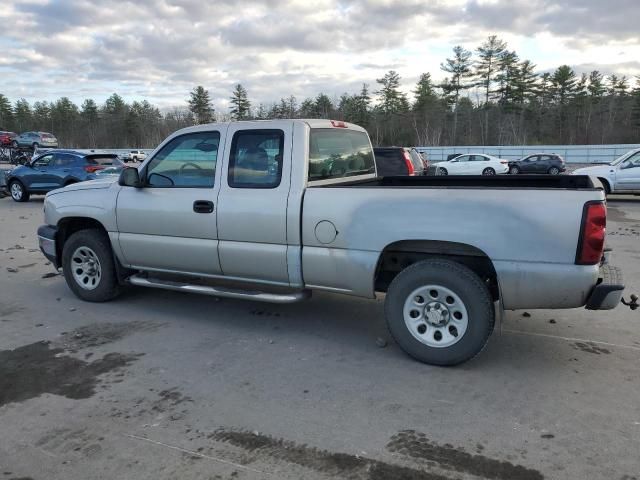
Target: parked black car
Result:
[550, 163]
[391, 161]
[55, 169]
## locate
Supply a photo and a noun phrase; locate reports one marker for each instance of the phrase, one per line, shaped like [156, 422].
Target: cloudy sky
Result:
[160, 49]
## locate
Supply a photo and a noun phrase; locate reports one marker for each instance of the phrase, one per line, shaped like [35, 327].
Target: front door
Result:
[41, 176]
[170, 224]
[252, 220]
[628, 174]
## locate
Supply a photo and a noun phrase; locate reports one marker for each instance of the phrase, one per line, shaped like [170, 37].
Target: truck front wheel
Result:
[88, 266]
[439, 312]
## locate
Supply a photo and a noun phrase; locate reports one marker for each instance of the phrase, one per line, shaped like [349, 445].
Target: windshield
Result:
[624, 157]
[336, 153]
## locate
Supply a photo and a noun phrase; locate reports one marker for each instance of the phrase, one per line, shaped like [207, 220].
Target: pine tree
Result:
[41, 116]
[525, 82]
[323, 106]
[6, 113]
[425, 94]
[596, 86]
[489, 54]
[563, 83]
[22, 114]
[508, 66]
[240, 105]
[307, 108]
[392, 100]
[459, 66]
[200, 105]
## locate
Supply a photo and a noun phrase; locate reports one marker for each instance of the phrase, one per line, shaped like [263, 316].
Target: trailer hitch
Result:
[633, 303]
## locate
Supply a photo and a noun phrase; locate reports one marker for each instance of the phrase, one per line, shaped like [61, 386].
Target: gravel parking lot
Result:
[163, 385]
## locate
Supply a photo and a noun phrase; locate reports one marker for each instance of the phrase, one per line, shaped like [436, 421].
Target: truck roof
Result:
[311, 122]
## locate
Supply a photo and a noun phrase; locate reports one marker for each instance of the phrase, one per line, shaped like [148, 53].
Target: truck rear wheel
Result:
[439, 312]
[88, 266]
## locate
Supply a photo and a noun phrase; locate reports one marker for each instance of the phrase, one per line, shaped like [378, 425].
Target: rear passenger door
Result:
[252, 214]
[61, 167]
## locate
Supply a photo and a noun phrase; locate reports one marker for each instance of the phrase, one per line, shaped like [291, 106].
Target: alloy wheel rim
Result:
[435, 316]
[16, 191]
[86, 268]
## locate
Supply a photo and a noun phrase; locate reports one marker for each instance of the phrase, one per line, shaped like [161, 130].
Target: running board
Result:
[254, 295]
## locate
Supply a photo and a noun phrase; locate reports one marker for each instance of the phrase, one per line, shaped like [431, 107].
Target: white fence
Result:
[571, 153]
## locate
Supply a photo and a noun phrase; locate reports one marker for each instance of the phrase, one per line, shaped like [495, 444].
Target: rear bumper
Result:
[47, 243]
[607, 293]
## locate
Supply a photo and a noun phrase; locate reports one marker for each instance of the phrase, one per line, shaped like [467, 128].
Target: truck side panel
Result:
[530, 235]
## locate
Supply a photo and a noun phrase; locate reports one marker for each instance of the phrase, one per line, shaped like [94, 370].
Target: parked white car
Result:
[473, 164]
[620, 176]
[137, 155]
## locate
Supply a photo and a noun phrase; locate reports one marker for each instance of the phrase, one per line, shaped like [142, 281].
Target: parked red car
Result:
[6, 138]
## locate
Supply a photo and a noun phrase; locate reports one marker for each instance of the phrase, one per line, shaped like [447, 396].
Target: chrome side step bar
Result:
[254, 295]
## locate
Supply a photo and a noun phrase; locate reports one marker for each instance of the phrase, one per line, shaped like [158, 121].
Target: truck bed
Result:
[570, 182]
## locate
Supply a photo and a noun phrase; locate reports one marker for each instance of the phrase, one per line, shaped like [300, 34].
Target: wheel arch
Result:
[398, 255]
[67, 226]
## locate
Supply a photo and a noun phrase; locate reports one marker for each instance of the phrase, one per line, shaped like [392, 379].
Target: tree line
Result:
[490, 96]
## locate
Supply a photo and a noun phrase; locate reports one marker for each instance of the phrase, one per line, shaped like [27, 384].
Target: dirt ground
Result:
[161, 385]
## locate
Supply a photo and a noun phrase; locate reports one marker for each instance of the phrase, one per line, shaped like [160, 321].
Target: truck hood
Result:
[596, 170]
[88, 185]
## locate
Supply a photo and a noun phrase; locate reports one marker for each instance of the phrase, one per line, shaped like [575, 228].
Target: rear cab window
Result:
[339, 153]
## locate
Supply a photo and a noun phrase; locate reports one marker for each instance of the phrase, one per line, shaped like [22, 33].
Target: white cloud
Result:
[160, 49]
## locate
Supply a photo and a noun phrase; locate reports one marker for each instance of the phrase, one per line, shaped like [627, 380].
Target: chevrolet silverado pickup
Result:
[272, 210]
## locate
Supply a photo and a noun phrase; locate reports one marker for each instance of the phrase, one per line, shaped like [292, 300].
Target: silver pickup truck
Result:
[271, 210]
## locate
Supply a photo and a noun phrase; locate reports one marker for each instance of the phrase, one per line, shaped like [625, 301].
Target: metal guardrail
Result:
[570, 153]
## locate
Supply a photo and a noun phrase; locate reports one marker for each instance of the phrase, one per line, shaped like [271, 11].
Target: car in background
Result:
[541, 163]
[137, 155]
[622, 176]
[393, 161]
[473, 164]
[35, 140]
[6, 138]
[55, 169]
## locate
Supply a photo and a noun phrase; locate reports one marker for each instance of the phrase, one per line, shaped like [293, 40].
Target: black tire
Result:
[35, 146]
[554, 171]
[14, 144]
[442, 171]
[514, 170]
[107, 287]
[466, 285]
[16, 186]
[488, 171]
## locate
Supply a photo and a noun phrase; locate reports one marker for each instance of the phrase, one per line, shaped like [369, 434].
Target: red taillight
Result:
[92, 168]
[592, 233]
[504, 162]
[407, 160]
[338, 123]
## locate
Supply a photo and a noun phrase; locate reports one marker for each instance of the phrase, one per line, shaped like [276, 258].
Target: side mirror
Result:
[130, 177]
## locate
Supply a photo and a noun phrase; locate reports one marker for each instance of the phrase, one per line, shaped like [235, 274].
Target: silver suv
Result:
[35, 140]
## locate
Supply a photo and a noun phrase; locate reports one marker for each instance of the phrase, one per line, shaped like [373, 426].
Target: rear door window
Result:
[255, 160]
[338, 152]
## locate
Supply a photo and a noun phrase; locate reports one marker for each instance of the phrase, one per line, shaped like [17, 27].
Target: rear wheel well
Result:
[70, 182]
[399, 255]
